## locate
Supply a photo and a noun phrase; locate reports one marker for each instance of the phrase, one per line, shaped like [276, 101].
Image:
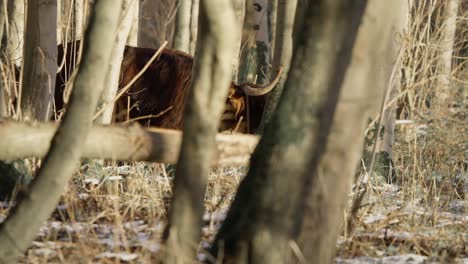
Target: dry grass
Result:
[116, 214]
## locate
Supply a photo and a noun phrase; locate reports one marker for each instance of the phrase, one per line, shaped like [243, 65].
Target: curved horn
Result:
[257, 90]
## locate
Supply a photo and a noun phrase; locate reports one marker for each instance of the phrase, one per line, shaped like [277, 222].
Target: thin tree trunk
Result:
[194, 25]
[392, 83]
[362, 92]
[40, 60]
[212, 70]
[267, 211]
[449, 26]
[255, 57]
[15, 30]
[34, 207]
[132, 39]
[272, 24]
[3, 109]
[283, 53]
[262, 41]
[3, 14]
[182, 26]
[249, 31]
[112, 76]
[239, 10]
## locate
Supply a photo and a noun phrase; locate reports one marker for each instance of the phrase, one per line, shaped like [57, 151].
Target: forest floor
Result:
[116, 214]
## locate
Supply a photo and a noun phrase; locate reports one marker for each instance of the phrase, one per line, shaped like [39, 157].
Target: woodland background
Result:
[361, 156]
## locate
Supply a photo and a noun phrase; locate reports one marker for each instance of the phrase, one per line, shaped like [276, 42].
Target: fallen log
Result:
[130, 142]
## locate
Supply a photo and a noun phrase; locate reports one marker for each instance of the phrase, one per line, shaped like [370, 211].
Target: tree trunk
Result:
[283, 53]
[272, 23]
[249, 32]
[391, 85]
[262, 41]
[112, 77]
[362, 92]
[449, 25]
[40, 60]
[15, 30]
[132, 39]
[182, 26]
[194, 26]
[239, 10]
[3, 14]
[267, 211]
[212, 70]
[34, 207]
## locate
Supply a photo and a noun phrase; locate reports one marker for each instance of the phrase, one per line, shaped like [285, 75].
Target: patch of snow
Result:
[398, 259]
[374, 218]
[114, 178]
[93, 181]
[121, 255]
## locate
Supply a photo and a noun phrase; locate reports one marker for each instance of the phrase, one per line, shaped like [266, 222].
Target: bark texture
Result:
[35, 206]
[370, 67]
[283, 54]
[267, 211]
[3, 15]
[132, 39]
[182, 26]
[40, 60]
[391, 77]
[15, 30]
[194, 26]
[446, 45]
[211, 72]
[106, 100]
[239, 10]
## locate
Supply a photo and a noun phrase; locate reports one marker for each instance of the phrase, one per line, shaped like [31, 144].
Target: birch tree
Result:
[113, 75]
[447, 40]
[3, 15]
[15, 30]
[182, 26]
[194, 26]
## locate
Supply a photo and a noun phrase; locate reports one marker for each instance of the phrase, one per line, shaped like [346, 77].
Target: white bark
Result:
[132, 39]
[112, 77]
[239, 9]
[3, 14]
[182, 26]
[446, 48]
[15, 30]
[392, 82]
[194, 26]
